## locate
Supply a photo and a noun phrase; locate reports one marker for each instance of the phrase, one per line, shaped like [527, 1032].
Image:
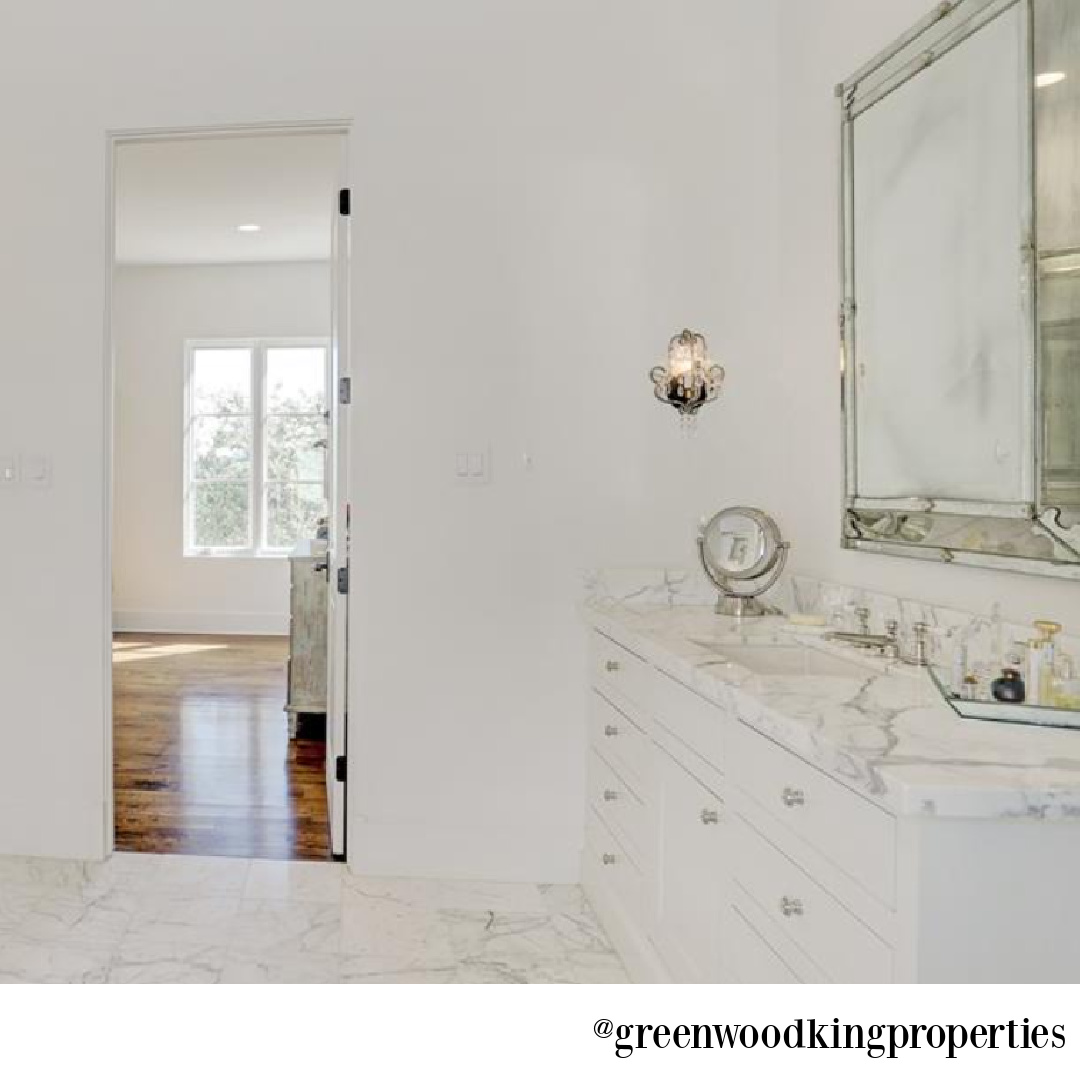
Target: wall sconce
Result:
[689, 380]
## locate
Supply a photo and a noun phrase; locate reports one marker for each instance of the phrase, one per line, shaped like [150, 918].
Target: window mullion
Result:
[258, 465]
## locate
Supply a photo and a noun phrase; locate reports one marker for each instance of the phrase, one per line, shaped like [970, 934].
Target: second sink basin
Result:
[792, 660]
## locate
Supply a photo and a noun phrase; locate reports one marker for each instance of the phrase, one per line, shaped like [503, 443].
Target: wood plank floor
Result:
[203, 764]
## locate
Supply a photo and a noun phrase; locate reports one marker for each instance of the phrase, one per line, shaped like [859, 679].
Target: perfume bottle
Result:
[1009, 687]
[1064, 685]
[1042, 656]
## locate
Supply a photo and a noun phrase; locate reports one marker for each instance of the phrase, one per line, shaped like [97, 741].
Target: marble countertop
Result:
[885, 733]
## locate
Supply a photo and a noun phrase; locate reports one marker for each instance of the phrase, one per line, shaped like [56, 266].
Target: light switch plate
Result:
[37, 470]
[473, 467]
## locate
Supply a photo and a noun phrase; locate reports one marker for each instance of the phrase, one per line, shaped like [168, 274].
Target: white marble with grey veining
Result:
[887, 734]
[184, 919]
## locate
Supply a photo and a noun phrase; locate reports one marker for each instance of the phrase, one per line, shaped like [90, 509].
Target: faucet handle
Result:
[892, 629]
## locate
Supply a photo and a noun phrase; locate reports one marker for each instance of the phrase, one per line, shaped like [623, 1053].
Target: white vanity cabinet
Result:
[655, 827]
[715, 854]
[687, 888]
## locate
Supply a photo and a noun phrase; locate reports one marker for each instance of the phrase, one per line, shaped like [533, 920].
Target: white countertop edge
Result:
[926, 783]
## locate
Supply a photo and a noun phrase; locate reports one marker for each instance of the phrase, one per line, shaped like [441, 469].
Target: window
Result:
[255, 436]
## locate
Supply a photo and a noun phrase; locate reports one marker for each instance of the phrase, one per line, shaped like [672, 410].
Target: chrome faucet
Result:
[863, 638]
[888, 644]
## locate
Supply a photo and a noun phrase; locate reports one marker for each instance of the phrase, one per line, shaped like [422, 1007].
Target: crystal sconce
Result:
[689, 380]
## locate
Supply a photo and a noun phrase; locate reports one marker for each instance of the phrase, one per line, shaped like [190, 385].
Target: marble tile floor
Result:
[191, 919]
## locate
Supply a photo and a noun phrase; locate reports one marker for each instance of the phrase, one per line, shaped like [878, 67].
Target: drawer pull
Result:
[608, 860]
[792, 797]
[710, 817]
[611, 731]
[790, 907]
[610, 796]
[612, 666]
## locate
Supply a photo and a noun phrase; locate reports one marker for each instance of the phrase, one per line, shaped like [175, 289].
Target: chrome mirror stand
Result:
[739, 589]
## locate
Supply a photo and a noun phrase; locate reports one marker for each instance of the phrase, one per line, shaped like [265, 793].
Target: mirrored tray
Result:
[1005, 712]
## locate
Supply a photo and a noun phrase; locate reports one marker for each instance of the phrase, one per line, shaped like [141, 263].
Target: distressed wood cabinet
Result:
[307, 634]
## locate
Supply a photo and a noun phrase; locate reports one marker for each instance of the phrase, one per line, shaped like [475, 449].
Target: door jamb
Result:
[114, 139]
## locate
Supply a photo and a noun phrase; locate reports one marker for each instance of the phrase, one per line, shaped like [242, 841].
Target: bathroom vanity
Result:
[766, 806]
[763, 806]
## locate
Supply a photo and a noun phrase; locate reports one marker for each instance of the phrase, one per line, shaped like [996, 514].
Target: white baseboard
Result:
[50, 827]
[202, 622]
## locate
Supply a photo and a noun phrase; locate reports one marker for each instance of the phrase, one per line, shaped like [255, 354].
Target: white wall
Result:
[821, 44]
[546, 192]
[555, 188]
[156, 309]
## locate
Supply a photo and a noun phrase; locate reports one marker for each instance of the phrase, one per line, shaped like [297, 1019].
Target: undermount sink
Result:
[792, 660]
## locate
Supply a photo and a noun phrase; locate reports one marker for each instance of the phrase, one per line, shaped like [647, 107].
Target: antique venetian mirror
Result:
[961, 289]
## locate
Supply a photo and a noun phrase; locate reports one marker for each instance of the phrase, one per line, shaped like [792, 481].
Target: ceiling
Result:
[181, 200]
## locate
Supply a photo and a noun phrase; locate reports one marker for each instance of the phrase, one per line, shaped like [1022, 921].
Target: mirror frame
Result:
[877, 525]
[771, 544]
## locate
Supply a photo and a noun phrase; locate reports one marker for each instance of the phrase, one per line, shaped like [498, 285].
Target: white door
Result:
[338, 557]
[690, 874]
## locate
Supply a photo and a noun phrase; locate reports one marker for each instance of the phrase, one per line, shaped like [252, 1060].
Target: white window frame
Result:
[257, 484]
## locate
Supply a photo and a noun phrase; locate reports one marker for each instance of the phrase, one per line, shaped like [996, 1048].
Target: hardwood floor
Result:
[202, 759]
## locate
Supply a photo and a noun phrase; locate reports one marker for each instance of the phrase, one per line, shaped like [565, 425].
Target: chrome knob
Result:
[612, 665]
[791, 797]
[610, 796]
[608, 860]
[611, 731]
[710, 817]
[790, 907]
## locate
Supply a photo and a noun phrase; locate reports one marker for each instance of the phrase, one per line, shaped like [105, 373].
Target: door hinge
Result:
[341, 769]
[343, 580]
[345, 202]
[344, 390]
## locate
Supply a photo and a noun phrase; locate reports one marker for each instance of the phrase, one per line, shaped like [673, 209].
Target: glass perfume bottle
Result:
[1009, 687]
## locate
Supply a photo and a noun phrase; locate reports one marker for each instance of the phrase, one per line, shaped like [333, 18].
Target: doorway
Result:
[229, 515]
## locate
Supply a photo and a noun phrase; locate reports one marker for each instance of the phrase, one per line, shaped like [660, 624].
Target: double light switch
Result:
[473, 466]
[29, 470]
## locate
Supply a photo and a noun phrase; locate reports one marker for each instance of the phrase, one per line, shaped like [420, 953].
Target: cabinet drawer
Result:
[798, 909]
[852, 833]
[695, 722]
[608, 868]
[619, 669]
[617, 739]
[750, 958]
[617, 805]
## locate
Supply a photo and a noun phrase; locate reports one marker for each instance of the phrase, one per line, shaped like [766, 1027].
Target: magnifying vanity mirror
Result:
[744, 555]
[961, 289]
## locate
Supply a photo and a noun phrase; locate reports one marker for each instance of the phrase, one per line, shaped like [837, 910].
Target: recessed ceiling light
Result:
[249, 228]
[1050, 78]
